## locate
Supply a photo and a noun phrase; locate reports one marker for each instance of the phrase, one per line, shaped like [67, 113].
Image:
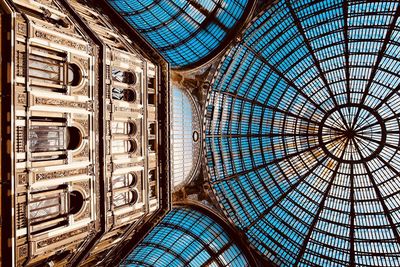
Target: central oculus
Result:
[352, 133]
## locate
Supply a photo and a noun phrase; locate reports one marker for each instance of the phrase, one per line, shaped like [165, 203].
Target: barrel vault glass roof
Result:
[187, 237]
[183, 31]
[302, 133]
[184, 137]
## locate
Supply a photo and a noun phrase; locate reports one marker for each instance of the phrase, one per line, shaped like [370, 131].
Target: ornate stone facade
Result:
[82, 170]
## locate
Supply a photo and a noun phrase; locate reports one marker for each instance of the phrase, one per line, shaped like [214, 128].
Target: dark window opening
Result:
[74, 74]
[120, 127]
[124, 94]
[132, 129]
[74, 138]
[124, 146]
[152, 128]
[152, 175]
[124, 180]
[153, 192]
[151, 99]
[63, 22]
[125, 198]
[47, 138]
[124, 76]
[151, 83]
[132, 146]
[76, 202]
[152, 145]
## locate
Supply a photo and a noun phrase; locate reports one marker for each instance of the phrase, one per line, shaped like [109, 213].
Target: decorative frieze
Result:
[127, 165]
[53, 240]
[60, 174]
[61, 41]
[63, 103]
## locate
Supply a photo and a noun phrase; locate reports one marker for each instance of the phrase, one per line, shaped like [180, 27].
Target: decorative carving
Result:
[51, 241]
[21, 28]
[20, 63]
[60, 103]
[109, 167]
[20, 139]
[93, 51]
[23, 251]
[84, 152]
[127, 60]
[46, 13]
[22, 178]
[90, 106]
[127, 165]
[90, 170]
[60, 174]
[21, 99]
[128, 109]
[83, 61]
[110, 220]
[84, 214]
[21, 215]
[85, 185]
[60, 41]
[84, 124]
[81, 91]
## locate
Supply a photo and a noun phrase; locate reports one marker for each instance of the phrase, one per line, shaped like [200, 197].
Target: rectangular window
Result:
[48, 138]
[46, 205]
[47, 68]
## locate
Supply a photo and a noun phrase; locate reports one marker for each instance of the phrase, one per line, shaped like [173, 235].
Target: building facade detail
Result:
[84, 131]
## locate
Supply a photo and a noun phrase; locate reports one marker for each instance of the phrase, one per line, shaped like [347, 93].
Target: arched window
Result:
[48, 69]
[125, 198]
[127, 95]
[120, 127]
[76, 202]
[123, 76]
[124, 180]
[50, 137]
[73, 138]
[44, 138]
[123, 146]
[50, 207]
[74, 74]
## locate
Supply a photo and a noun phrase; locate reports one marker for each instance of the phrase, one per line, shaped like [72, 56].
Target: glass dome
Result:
[185, 136]
[187, 237]
[302, 133]
[185, 32]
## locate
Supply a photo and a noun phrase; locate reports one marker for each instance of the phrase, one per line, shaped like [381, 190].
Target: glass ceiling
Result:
[185, 135]
[187, 237]
[183, 31]
[302, 133]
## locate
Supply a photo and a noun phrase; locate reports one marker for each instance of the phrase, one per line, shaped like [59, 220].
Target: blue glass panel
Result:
[187, 237]
[302, 133]
[185, 32]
